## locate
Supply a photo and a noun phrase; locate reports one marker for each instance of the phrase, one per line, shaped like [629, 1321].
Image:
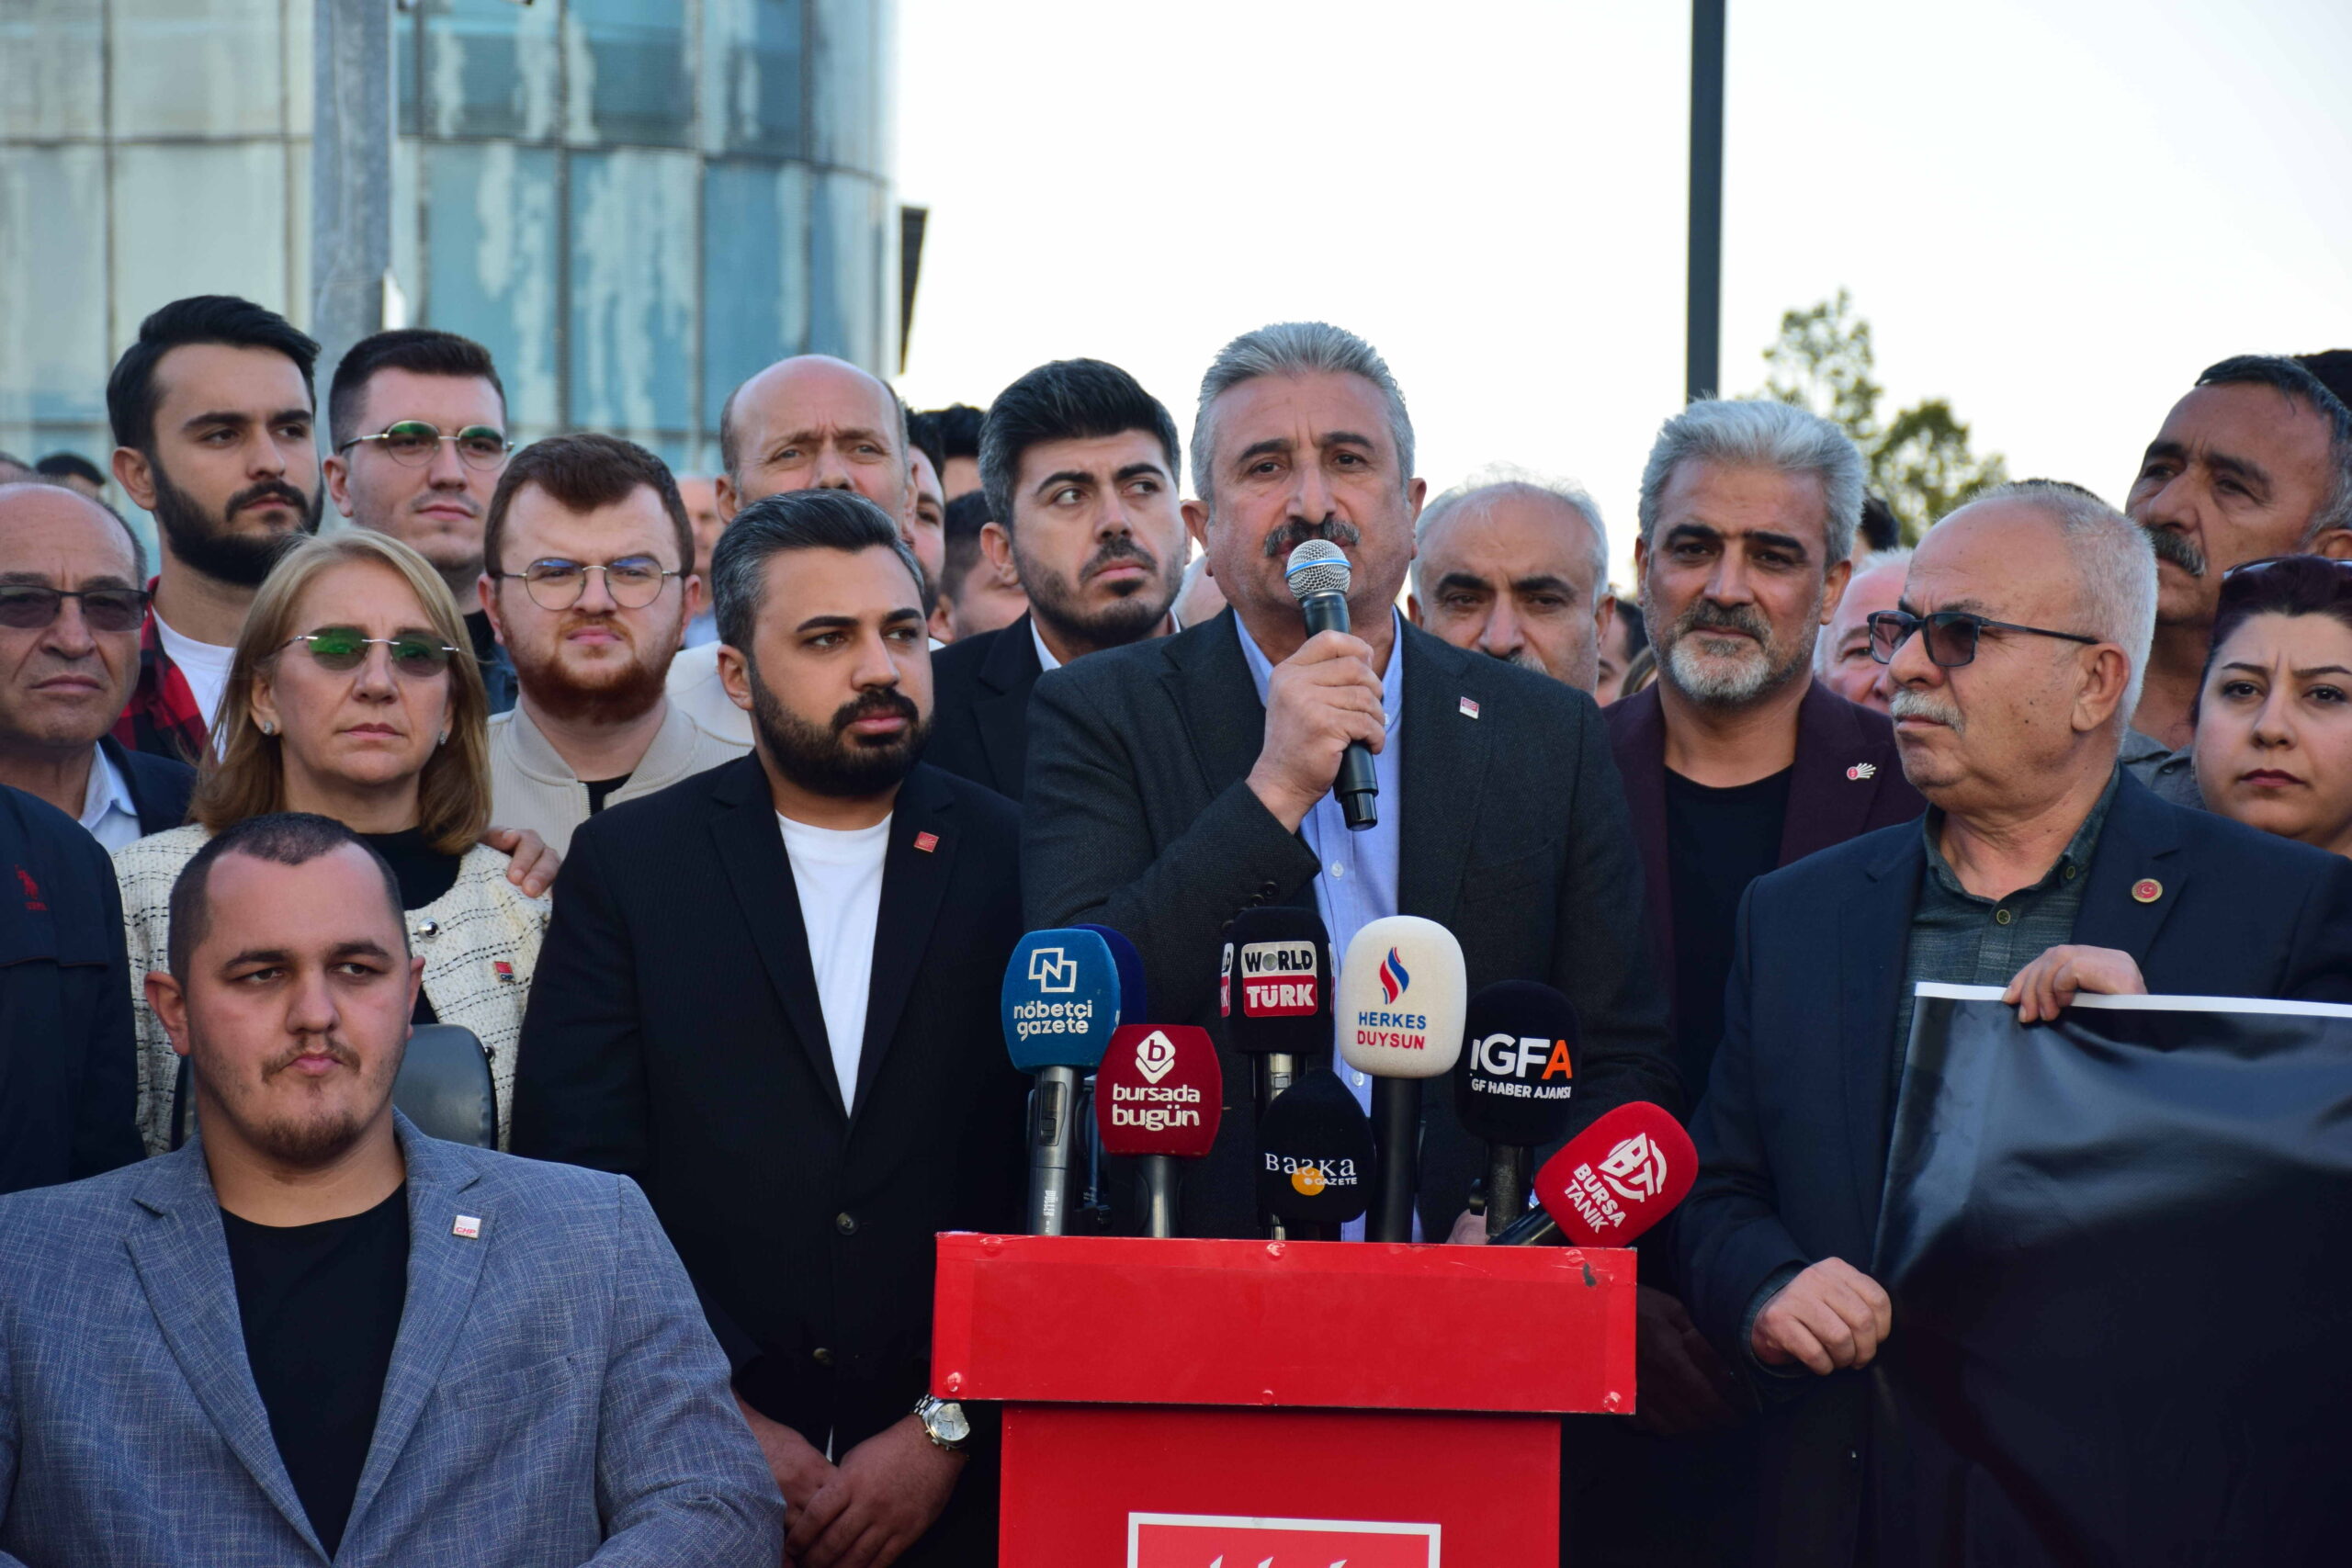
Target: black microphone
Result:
[1274, 995]
[1318, 575]
[1512, 1085]
[1315, 1170]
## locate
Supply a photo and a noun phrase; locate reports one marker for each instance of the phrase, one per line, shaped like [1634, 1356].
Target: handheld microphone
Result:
[1061, 1003]
[1318, 575]
[1512, 1086]
[1159, 1095]
[1315, 1158]
[1133, 1007]
[1612, 1183]
[1400, 1008]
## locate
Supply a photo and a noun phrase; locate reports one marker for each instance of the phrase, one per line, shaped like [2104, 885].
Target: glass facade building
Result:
[633, 203]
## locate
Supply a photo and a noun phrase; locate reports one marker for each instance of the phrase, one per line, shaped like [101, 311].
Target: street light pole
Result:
[1704, 316]
[351, 173]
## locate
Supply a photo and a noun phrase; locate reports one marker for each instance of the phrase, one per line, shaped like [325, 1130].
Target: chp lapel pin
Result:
[926, 842]
[1469, 708]
[466, 1225]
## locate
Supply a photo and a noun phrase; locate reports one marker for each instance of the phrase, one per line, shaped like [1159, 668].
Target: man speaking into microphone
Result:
[1175, 782]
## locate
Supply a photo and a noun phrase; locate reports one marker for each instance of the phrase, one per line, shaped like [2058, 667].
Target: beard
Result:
[1140, 606]
[311, 1137]
[211, 545]
[824, 758]
[1697, 663]
[608, 693]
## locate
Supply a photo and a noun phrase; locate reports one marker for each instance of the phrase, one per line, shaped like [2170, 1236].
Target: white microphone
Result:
[1403, 994]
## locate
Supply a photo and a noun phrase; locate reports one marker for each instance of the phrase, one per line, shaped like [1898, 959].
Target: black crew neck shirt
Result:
[1717, 842]
[424, 874]
[601, 791]
[320, 1305]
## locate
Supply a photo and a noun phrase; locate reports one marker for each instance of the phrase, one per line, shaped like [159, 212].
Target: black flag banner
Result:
[2119, 1248]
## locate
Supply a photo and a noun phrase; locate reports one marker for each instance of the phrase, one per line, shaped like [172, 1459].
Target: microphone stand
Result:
[1509, 1168]
[1395, 1136]
[1052, 1113]
[1156, 1193]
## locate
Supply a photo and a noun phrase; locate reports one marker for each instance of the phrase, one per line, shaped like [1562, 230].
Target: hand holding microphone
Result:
[1323, 718]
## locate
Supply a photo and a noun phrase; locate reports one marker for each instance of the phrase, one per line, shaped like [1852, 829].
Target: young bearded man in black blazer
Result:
[769, 993]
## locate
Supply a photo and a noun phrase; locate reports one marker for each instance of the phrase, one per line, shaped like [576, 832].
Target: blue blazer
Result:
[554, 1396]
[1793, 1130]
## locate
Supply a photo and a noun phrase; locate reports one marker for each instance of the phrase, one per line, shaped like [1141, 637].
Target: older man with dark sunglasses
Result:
[2041, 866]
[71, 610]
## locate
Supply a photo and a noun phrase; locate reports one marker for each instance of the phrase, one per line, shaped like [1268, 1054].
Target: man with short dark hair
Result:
[769, 992]
[75, 472]
[212, 412]
[1517, 568]
[1079, 469]
[2255, 461]
[926, 529]
[589, 578]
[70, 609]
[952, 437]
[416, 421]
[339, 1339]
[975, 594]
[809, 422]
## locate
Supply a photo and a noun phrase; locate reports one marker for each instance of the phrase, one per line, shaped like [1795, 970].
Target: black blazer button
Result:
[845, 1224]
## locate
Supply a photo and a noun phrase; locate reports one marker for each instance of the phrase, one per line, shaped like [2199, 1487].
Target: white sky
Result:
[2053, 214]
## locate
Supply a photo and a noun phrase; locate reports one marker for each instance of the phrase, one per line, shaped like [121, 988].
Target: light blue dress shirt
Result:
[1357, 882]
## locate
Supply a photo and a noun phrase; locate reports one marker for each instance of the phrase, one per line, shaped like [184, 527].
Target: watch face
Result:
[950, 1422]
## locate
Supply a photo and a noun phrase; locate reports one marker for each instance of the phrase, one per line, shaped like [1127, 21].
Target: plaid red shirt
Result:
[162, 718]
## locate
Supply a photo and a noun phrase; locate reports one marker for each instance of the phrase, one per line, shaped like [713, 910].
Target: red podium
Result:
[1168, 1403]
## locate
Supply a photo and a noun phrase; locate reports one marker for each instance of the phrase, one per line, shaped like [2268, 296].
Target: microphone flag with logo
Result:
[1517, 1068]
[1133, 1000]
[1158, 1092]
[1401, 999]
[1061, 1005]
[1275, 992]
[1318, 576]
[1315, 1157]
[1612, 1182]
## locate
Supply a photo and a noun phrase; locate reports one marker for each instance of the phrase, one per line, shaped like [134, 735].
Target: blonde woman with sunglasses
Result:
[353, 694]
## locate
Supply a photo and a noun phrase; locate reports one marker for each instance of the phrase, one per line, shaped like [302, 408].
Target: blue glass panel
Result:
[630, 82]
[751, 76]
[632, 290]
[844, 268]
[754, 273]
[491, 264]
[53, 349]
[491, 69]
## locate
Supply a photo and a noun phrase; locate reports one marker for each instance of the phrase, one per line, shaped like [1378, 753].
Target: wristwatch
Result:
[944, 1422]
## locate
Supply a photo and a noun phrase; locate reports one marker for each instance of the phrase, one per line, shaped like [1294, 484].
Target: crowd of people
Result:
[712, 809]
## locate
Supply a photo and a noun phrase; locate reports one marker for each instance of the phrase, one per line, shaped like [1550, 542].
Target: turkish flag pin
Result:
[926, 842]
[1469, 708]
[2147, 890]
[466, 1225]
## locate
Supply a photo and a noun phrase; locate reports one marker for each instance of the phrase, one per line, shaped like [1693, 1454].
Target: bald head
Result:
[1518, 571]
[810, 423]
[40, 506]
[63, 681]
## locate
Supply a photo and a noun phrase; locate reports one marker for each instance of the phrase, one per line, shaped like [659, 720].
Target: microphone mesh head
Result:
[1318, 566]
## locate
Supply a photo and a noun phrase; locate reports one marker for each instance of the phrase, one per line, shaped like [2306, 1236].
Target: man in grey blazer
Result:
[314, 1335]
[1173, 782]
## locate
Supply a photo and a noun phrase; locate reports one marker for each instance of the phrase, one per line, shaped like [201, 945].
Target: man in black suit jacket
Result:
[2041, 866]
[1166, 794]
[769, 993]
[1079, 463]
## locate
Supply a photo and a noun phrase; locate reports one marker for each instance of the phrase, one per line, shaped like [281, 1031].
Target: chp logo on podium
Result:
[1210, 1540]
[1158, 1092]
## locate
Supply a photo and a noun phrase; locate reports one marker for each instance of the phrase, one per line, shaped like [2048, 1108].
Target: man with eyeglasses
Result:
[71, 610]
[212, 410]
[2043, 867]
[589, 578]
[418, 423]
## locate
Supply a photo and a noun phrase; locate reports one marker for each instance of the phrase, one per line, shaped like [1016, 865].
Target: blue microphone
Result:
[1061, 1002]
[1133, 1007]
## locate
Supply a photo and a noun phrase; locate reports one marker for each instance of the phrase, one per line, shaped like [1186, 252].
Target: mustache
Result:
[1297, 531]
[883, 702]
[1705, 615]
[268, 490]
[1121, 548]
[2178, 549]
[1525, 659]
[342, 1054]
[1908, 702]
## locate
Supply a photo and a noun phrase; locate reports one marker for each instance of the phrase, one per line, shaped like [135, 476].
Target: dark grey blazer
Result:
[979, 706]
[1514, 837]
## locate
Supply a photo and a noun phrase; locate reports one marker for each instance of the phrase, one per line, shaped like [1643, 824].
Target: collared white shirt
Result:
[1045, 659]
[107, 810]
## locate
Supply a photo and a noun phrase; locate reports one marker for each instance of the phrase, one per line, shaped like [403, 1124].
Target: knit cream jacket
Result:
[481, 942]
[532, 786]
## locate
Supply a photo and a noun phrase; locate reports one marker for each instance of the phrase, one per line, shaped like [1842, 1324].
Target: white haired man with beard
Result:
[588, 577]
[1735, 762]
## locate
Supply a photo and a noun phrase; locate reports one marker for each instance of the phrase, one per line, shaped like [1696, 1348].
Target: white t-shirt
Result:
[839, 877]
[205, 665]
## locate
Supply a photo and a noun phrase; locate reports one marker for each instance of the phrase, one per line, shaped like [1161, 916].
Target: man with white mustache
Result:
[1516, 568]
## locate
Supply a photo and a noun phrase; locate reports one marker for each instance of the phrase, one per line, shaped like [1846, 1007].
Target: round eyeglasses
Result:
[634, 581]
[415, 442]
[420, 656]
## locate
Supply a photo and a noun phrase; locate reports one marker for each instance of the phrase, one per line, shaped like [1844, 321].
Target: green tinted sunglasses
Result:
[418, 655]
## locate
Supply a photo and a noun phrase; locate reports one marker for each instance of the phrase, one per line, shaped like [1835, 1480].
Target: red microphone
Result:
[1158, 1096]
[1610, 1183]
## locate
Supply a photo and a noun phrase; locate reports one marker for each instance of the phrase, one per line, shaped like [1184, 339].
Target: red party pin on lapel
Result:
[1469, 708]
[926, 842]
[468, 1226]
[503, 970]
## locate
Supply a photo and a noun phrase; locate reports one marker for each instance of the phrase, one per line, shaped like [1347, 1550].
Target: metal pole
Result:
[1507, 1184]
[351, 173]
[1704, 320]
